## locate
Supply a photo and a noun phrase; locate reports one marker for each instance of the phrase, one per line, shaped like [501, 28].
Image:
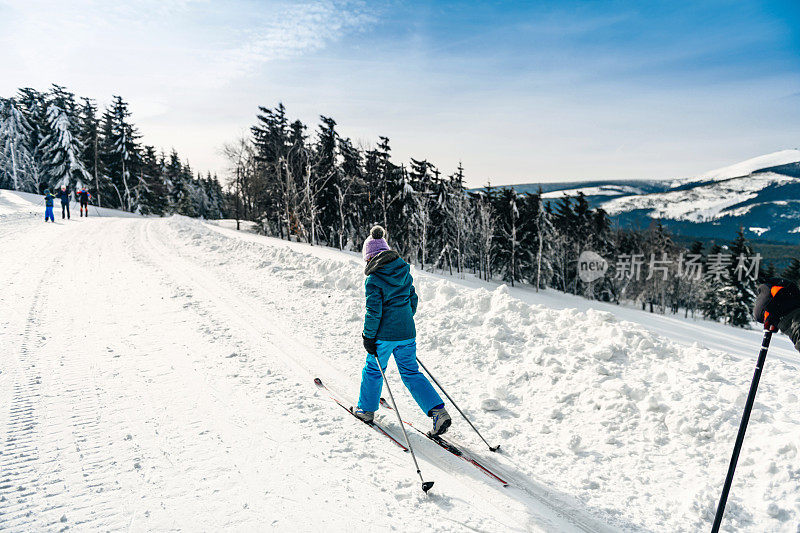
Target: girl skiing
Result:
[389, 330]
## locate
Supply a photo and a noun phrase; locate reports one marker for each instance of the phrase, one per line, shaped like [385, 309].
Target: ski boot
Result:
[364, 416]
[441, 421]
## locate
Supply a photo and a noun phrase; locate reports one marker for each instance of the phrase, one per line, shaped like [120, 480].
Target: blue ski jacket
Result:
[48, 199]
[64, 195]
[391, 299]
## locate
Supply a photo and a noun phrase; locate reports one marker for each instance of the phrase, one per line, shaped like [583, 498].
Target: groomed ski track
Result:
[147, 384]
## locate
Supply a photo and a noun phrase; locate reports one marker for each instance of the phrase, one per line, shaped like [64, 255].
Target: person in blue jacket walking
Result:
[389, 330]
[48, 206]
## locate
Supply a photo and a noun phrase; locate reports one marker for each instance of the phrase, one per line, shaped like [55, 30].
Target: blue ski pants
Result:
[405, 355]
[48, 214]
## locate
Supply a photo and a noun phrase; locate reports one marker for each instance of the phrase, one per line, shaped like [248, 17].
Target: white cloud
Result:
[173, 43]
[179, 63]
[295, 29]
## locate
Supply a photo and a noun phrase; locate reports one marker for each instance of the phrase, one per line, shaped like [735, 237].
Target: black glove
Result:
[370, 345]
[776, 298]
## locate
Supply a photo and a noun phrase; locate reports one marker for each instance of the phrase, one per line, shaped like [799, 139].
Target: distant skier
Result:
[83, 198]
[778, 308]
[48, 206]
[64, 195]
[389, 329]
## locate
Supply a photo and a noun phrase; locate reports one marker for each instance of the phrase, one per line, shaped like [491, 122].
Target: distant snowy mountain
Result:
[761, 194]
[749, 166]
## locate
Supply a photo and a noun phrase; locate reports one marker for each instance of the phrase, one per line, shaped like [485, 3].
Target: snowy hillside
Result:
[702, 203]
[761, 194]
[160, 377]
[749, 166]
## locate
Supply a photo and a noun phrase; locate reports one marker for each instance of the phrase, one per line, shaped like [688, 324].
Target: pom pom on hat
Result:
[377, 232]
[375, 243]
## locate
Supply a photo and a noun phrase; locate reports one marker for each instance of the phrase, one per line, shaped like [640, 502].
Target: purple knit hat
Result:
[375, 243]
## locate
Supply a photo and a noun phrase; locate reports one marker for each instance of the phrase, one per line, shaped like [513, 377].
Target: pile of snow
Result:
[635, 426]
[747, 167]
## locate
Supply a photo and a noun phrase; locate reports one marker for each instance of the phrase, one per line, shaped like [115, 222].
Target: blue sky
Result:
[518, 91]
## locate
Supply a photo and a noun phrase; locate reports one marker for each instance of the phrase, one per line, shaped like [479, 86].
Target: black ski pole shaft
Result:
[491, 448]
[748, 407]
[426, 485]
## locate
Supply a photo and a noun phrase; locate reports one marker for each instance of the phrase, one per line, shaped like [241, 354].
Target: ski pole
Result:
[748, 406]
[426, 485]
[491, 448]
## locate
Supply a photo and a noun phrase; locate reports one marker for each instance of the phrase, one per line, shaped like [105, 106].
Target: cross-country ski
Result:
[371, 423]
[456, 450]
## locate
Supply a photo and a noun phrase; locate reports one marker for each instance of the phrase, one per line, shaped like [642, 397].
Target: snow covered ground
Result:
[157, 374]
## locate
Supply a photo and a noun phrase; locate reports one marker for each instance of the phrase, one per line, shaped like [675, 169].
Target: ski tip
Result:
[426, 486]
[318, 382]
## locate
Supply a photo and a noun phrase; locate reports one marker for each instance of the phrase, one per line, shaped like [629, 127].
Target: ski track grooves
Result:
[33, 476]
[20, 453]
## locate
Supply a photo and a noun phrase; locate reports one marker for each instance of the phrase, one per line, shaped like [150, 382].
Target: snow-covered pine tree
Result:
[771, 272]
[215, 198]
[173, 172]
[741, 288]
[351, 183]
[89, 134]
[326, 177]
[33, 105]
[402, 207]
[713, 299]
[120, 154]
[17, 167]
[417, 199]
[187, 196]
[658, 251]
[385, 184]
[154, 199]
[691, 287]
[242, 169]
[280, 156]
[458, 228]
[443, 238]
[485, 227]
[537, 238]
[507, 254]
[62, 149]
[792, 272]
[564, 223]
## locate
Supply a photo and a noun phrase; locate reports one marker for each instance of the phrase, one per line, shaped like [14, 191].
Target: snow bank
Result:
[637, 427]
